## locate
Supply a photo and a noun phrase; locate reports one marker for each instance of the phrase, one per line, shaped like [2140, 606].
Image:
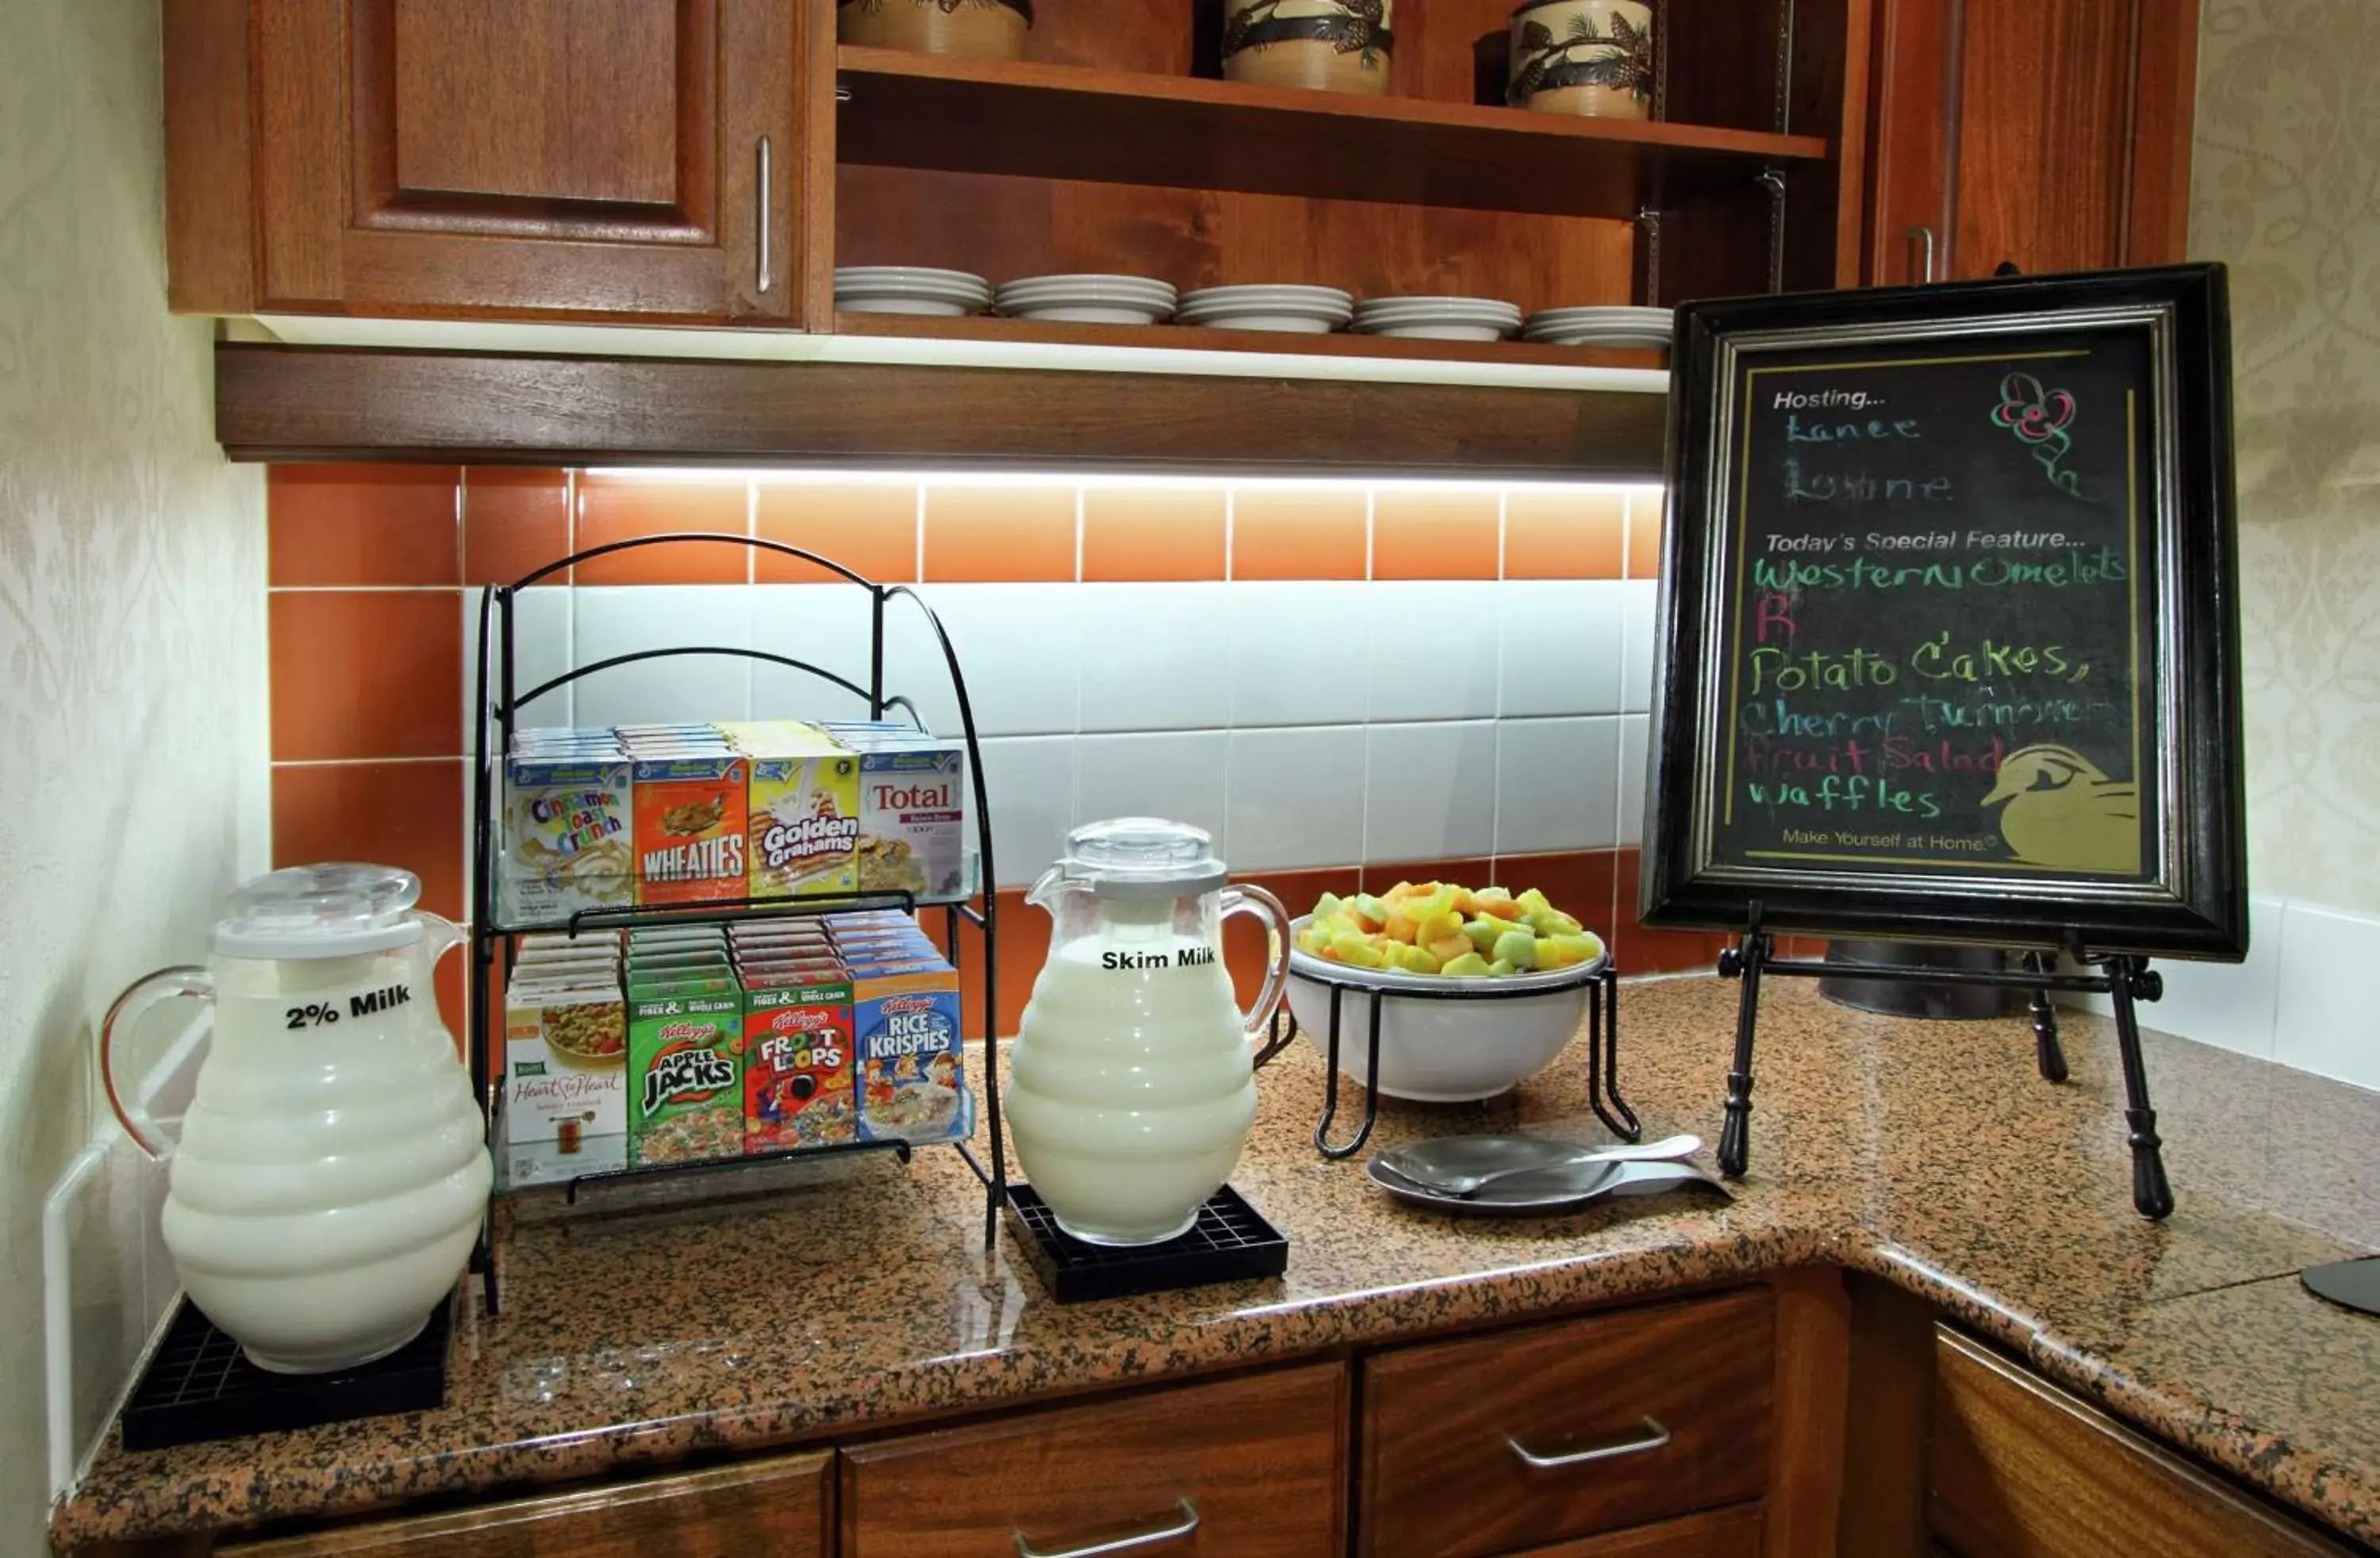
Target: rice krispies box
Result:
[798, 1088]
[912, 1078]
[690, 828]
[685, 1074]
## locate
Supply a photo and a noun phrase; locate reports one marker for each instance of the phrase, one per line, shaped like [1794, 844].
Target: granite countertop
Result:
[1931, 1155]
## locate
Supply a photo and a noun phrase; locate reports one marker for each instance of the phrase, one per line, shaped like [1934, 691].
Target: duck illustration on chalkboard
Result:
[2059, 811]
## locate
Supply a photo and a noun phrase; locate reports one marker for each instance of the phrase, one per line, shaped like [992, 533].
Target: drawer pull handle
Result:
[1183, 1527]
[1651, 1436]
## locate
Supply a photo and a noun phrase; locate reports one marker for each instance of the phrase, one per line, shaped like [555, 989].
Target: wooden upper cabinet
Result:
[589, 158]
[2054, 134]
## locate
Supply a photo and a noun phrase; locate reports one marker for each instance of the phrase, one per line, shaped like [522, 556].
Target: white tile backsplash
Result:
[1030, 781]
[826, 625]
[542, 650]
[1433, 649]
[1634, 730]
[1430, 790]
[1561, 651]
[1296, 798]
[1298, 652]
[2323, 1017]
[619, 620]
[1557, 785]
[1641, 607]
[1180, 775]
[1153, 658]
[2234, 1006]
[1018, 646]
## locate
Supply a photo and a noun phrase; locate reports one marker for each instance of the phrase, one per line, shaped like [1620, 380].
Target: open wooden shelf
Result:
[1176, 337]
[1059, 121]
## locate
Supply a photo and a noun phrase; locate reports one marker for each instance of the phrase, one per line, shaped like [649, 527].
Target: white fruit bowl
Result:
[1455, 1050]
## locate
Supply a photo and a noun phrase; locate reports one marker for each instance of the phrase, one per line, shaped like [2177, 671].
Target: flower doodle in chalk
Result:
[2038, 417]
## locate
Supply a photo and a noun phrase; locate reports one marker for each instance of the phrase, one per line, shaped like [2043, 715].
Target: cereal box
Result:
[689, 829]
[912, 1084]
[566, 828]
[912, 822]
[805, 824]
[686, 1076]
[797, 1066]
[565, 1063]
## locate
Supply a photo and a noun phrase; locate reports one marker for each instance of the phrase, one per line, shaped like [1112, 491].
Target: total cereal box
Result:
[912, 814]
[912, 1078]
[798, 1088]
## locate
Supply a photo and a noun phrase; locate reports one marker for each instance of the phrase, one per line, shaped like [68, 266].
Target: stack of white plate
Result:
[909, 289]
[1303, 310]
[1089, 299]
[1438, 319]
[1600, 327]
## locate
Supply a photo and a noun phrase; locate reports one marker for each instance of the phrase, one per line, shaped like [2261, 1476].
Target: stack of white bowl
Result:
[1089, 299]
[1303, 310]
[909, 289]
[1601, 327]
[1438, 319]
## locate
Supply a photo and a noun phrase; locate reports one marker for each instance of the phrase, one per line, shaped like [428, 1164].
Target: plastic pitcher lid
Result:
[1142, 857]
[334, 910]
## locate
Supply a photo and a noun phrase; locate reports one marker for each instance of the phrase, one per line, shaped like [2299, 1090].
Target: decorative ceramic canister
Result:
[1590, 57]
[976, 29]
[1326, 45]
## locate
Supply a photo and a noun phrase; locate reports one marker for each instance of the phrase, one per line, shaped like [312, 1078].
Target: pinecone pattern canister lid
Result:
[1588, 58]
[970, 28]
[1321, 46]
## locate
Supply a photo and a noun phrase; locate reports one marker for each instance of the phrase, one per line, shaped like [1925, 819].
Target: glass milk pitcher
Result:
[330, 1176]
[1132, 1089]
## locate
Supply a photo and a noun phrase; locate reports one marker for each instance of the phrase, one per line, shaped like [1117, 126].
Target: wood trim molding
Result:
[293, 403]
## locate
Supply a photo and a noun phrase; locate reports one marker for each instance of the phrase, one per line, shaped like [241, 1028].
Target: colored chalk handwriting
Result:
[2038, 417]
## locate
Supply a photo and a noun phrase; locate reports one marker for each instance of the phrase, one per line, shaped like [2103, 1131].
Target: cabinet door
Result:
[776, 1508]
[627, 157]
[1252, 1467]
[1532, 1437]
[2051, 133]
[2021, 1469]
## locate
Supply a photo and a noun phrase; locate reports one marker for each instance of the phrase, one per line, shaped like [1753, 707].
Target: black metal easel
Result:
[2123, 979]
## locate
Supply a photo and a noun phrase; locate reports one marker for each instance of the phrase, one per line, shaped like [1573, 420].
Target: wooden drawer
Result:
[777, 1507]
[2021, 1469]
[1718, 1533]
[1647, 1413]
[1261, 1463]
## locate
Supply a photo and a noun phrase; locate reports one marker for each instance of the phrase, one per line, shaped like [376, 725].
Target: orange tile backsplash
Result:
[616, 506]
[1299, 532]
[978, 535]
[366, 674]
[347, 524]
[516, 520]
[1141, 534]
[1565, 534]
[1422, 532]
[407, 814]
[1643, 535]
[872, 531]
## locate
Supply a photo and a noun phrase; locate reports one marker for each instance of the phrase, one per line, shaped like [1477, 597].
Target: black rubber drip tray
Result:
[199, 1386]
[1231, 1242]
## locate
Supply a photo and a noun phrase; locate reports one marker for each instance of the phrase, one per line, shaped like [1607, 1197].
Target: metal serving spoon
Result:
[1467, 1185]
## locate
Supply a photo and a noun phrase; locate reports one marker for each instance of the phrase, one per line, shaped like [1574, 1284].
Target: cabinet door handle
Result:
[1636, 1441]
[1924, 238]
[1185, 1523]
[761, 277]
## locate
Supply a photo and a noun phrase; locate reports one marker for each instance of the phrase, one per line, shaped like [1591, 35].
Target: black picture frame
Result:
[2188, 899]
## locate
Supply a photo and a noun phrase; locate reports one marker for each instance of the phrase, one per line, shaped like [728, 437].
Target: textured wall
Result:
[132, 754]
[2287, 191]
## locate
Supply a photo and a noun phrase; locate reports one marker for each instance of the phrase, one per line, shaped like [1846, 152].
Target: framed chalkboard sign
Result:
[1949, 643]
